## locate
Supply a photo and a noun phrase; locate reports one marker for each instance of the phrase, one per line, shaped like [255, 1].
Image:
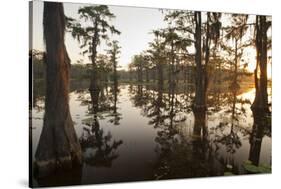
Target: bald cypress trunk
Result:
[257, 134]
[261, 99]
[58, 146]
[200, 72]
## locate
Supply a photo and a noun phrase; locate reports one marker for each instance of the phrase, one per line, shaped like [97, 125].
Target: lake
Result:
[146, 132]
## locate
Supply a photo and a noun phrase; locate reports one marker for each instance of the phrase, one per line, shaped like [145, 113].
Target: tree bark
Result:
[200, 127]
[58, 145]
[207, 53]
[257, 134]
[200, 93]
[261, 98]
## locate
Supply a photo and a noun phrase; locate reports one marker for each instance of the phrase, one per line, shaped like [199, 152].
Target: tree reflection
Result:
[157, 108]
[178, 155]
[140, 96]
[229, 132]
[205, 161]
[115, 115]
[261, 127]
[62, 178]
[97, 146]
[182, 156]
[230, 140]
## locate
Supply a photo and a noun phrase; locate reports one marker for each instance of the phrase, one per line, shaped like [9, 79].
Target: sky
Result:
[135, 24]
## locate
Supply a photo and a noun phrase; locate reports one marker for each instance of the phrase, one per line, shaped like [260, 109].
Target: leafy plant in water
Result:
[248, 166]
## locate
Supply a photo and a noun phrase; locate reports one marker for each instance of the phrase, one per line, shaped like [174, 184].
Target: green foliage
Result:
[248, 166]
[96, 26]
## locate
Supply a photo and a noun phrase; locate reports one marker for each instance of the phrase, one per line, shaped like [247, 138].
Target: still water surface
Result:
[146, 133]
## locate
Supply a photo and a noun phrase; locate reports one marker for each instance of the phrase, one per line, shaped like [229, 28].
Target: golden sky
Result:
[135, 25]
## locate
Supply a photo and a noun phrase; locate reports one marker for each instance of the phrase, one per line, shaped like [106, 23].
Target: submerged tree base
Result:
[199, 108]
[260, 109]
[58, 146]
[200, 121]
[58, 176]
[46, 168]
[262, 124]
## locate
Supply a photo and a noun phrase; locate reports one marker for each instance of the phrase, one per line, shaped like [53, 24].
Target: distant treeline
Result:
[185, 73]
[77, 71]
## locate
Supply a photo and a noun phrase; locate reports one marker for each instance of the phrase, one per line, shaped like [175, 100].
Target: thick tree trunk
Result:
[200, 86]
[261, 98]
[207, 53]
[58, 145]
[200, 128]
[257, 134]
[260, 105]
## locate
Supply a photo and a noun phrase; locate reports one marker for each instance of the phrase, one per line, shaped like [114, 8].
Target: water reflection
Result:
[71, 177]
[261, 127]
[116, 116]
[99, 148]
[158, 135]
[234, 113]
[215, 150]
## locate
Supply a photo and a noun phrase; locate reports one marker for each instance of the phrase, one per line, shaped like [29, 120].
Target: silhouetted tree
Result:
[261, 99]
[137, 64]
[256, 136]
[235, 32]
[58, 145]
[104, 67]
[113, 54]
[157, 55]
[94, 137]
[97, 19]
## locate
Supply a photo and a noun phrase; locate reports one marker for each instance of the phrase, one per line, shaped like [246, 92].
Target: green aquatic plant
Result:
[251, 168]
